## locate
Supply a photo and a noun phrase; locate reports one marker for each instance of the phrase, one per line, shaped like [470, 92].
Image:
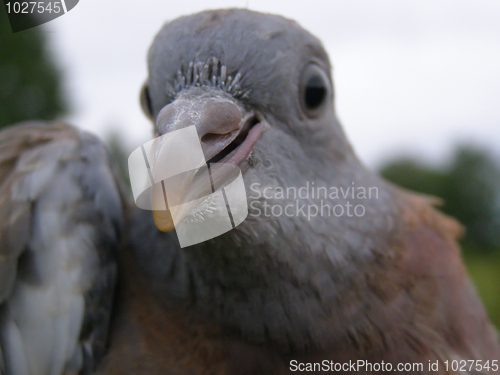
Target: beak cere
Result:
[227, 134]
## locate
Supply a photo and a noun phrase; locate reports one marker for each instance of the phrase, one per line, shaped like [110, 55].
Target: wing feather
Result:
[60, 223]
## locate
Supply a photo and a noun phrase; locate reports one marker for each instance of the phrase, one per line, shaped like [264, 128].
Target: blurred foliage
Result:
[472, 194]
[29, 79]
[470, 188]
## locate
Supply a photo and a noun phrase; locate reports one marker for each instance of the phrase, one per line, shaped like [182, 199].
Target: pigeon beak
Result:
[227, 134]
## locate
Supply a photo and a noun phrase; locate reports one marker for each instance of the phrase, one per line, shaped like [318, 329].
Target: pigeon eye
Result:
[314, 90]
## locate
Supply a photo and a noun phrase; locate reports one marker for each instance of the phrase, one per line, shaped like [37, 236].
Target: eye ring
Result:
[315, 90]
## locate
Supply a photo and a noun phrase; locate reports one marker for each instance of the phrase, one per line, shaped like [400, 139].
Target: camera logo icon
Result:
[170, 176]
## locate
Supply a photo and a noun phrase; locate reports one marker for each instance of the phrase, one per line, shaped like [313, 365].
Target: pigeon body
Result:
[381, 281]
[386, 285]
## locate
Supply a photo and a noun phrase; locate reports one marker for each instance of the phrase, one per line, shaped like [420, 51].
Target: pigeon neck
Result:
[290, 286]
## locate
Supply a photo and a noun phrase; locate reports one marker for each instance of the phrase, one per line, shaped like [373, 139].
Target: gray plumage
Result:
[388, 285]
[286, 283]
[60, 229]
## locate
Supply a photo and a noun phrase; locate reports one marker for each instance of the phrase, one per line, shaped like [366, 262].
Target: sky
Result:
[411, 78]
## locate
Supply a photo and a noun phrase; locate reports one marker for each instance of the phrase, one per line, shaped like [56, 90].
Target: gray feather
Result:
[66, 231]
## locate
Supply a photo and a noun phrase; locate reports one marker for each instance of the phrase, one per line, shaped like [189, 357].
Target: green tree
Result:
[29, 78]
[469, 186]
[472, 194]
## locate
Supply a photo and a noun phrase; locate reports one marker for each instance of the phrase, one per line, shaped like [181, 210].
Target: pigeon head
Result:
[258, 89]
[266, 65]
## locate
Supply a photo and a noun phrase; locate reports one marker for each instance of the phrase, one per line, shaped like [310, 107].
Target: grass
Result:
[484, 270]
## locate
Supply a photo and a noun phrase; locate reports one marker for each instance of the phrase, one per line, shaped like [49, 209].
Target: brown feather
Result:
[423, 309]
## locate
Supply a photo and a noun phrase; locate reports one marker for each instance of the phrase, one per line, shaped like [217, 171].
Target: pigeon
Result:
[333, 269]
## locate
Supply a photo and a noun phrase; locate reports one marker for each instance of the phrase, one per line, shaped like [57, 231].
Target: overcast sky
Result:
[410, 77]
